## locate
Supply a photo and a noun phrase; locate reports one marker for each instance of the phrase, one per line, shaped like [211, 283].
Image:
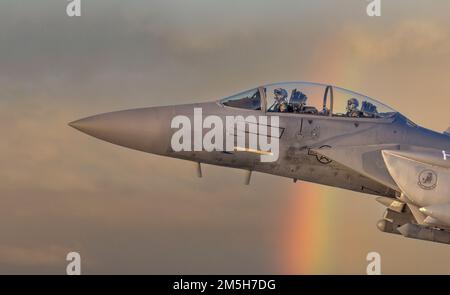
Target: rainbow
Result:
[307, 235]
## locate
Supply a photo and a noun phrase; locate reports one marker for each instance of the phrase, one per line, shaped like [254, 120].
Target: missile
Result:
[393, 219]
[414, 231]
[387, 227]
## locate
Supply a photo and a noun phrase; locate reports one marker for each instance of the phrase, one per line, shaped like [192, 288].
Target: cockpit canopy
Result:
[250, 99]
[309, 98]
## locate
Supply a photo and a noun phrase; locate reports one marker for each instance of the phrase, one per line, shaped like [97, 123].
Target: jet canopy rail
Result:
[310, 99]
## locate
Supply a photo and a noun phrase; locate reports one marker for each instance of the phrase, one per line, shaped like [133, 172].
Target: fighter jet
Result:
[305, 131]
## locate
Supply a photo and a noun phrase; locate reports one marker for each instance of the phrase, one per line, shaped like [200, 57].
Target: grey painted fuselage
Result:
[373, 149]
[148, 130]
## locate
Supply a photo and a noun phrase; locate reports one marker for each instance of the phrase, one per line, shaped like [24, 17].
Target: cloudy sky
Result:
[129, 212]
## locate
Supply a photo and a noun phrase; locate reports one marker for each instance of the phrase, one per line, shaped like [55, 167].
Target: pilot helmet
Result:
[298, 99]
[352, 104]
[280, 94]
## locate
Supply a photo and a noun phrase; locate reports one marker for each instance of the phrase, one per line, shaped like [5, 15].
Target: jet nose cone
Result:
[142, 129]
[98, 126]
[81, 125]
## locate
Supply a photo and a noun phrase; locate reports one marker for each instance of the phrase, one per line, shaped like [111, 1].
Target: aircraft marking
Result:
[321, 158]
[428, 179]
[445, 155]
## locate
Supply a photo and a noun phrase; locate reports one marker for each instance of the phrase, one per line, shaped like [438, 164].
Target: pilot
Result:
[281, 105]
[297, 102]
[352, 108]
